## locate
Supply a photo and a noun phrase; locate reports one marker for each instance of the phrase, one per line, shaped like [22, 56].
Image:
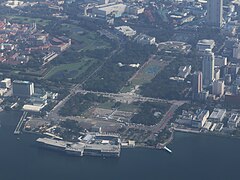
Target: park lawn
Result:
[22, 19]
[80, 67]
[128, 107]
[127, 88]
[89, 40]
[148, 72]
[106, 105]
[122, 107]
[145, 75]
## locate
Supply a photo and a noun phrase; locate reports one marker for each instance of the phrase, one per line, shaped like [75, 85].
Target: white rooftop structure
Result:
[204, 44]
[217, 115]
[233, 121]
[107, 9]
[32, 108]
[126, 30]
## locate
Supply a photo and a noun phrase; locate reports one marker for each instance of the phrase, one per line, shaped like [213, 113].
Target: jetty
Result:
[19, 125]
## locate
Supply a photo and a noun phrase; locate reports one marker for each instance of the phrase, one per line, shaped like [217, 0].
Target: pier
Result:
[19, 125]
[167, 149]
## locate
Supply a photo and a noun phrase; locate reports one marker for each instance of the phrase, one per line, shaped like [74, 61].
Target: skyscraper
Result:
[218, 88]
[196, 84]
[215, 13]
[208, 67]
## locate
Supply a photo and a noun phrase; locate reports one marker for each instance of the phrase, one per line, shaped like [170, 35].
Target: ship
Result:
[81, 148]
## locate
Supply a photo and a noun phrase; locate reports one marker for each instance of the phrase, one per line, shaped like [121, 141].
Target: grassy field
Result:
[88, 40]
[145, 74]
[128, 107]
[122, 107]
[22, 19]
[72, 70]
[106, 105]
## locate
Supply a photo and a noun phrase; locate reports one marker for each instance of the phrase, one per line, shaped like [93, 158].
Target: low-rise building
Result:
[219, 127]
[33, 108]
[23, 88]
[184, 71]
[145, 39]
[217, 115]
[126, 31]
[201, 119]
[186, 118]
[109, 9]
[207, 125]
[233, 121]
[6, 83]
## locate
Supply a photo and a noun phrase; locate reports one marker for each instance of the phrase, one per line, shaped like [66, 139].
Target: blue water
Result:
[194, 157]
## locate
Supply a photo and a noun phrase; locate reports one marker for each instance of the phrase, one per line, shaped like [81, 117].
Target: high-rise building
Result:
[218, 88]
[216, 74]
[215, 13]
[23, 88]
[196, 84]
[208, 67]
[220, 61]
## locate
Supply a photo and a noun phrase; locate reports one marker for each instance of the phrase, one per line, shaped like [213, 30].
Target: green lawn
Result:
[79, 68]
[88, 40]
[128, 107]
[122, 107]
[106, 105]
[145, 74]
[22, 19]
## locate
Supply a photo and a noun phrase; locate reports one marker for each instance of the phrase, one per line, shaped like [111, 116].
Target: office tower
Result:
[23, 88]
[216, 74]
[208, 67]
[220, 61]
[215, 13]
[204, 44]
[218, 87]
[196, 84]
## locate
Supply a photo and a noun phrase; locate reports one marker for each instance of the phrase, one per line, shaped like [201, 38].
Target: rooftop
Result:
[217, 113]
[21, 82]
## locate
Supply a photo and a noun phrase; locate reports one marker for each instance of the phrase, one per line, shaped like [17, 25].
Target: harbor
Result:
[103, 145]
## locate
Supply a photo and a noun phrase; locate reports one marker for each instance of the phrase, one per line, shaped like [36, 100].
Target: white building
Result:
[217, 115]
[218, 88]
[205, 44]
[202, 116]
[233, 121]
[145, 39]
[109, 9]
[126, 31]
[6, 83]
[208, 67]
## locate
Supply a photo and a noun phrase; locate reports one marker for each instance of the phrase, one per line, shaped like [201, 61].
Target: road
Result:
[53, 114]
